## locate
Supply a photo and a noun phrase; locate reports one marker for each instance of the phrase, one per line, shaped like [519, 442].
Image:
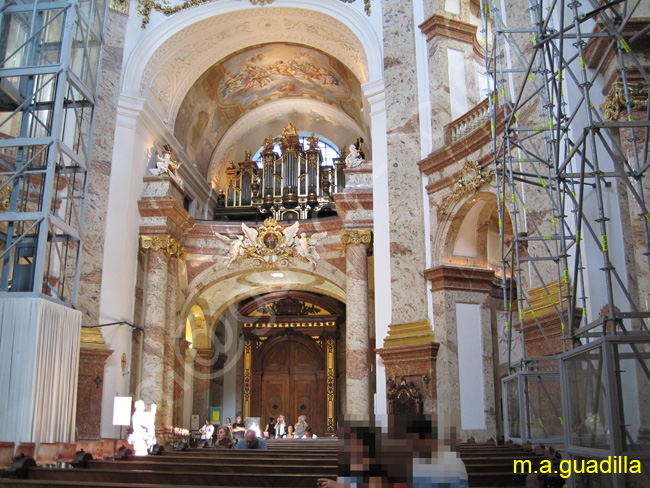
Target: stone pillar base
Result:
[413, 363]
[90, 391]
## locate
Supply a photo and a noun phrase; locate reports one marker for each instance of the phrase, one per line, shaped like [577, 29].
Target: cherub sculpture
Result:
[353, 159]
[306, 246]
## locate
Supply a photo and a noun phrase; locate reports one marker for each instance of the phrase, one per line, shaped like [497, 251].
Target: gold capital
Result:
[167, 243]
[616, 101]
[357, 237]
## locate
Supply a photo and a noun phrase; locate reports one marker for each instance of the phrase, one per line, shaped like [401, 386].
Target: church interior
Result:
[327, 208]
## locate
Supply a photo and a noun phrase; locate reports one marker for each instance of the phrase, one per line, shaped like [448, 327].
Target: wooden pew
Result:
[215, 467]
[175, 478]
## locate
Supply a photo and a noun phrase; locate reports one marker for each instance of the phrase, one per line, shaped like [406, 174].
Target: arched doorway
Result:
[290, 358]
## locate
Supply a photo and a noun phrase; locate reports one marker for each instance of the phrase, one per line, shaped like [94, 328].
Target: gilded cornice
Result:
[166, 243]
[355, 238]
[616, 103]
[410, 333]
[92, 337]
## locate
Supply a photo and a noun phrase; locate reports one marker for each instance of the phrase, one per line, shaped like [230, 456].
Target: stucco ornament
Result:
[271, 245]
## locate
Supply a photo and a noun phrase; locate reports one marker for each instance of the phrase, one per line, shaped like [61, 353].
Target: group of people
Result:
[225, 437]
[397, 451]
[279, 429]
[143, 437]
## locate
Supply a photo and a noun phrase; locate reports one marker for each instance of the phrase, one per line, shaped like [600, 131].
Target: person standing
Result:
[280, 427]
[301, 425]
[269, 431]
[151, 426]
[206, 434]
[140, 430]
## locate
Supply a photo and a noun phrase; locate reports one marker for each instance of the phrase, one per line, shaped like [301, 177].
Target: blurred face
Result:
[207, 422]
[290, 429]
[221, 434]
[251, 440]
[359, 459]
[239, 419]
[228, 420]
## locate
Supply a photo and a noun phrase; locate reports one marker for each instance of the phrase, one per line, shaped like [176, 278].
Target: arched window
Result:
[328, 150]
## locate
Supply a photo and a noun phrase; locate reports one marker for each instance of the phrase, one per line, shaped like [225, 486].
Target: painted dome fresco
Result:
[257, 76]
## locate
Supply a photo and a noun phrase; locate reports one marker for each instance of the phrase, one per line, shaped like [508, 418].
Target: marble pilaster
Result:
[407, 238]
[99, 170]
[451, 286]
[356, 244]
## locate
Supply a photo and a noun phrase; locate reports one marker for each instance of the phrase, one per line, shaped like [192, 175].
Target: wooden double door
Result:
[289, 379]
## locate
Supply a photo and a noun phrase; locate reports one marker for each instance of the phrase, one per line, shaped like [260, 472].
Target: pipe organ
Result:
[293, 184]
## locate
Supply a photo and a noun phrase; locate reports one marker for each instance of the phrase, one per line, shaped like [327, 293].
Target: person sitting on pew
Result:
[224, 438]
[290, 432]
[270, 429]
[206, 434]
[250, 441]
[309, 434]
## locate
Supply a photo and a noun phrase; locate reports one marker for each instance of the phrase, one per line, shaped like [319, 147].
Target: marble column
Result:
[155, 317]
[167, 410]
[357, 340]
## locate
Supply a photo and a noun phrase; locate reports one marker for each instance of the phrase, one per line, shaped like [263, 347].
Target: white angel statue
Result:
[306, 246]
[236, 250]
[353, 159]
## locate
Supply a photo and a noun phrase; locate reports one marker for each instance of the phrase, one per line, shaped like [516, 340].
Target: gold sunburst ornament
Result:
[145, 7]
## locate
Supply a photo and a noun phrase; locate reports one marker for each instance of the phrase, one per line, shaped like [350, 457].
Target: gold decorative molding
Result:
[145, 7]
[167, 243]
[91, 337]
[355, 238]
[615, 102]
[248, 365]
[472, 177]
[409, 333]
[5, 196]
[331, 385]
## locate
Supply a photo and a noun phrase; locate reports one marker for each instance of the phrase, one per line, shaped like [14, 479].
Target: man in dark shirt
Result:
[250, 441]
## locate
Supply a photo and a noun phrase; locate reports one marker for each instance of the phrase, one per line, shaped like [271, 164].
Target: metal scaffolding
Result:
[50, 53]
[570, 166]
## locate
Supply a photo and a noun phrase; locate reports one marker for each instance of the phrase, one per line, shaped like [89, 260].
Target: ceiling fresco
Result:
[247, 79]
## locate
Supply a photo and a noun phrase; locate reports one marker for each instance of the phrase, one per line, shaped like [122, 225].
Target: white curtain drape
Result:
[39, 365]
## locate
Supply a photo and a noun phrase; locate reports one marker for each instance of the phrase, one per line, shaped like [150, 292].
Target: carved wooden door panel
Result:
[290, 374]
